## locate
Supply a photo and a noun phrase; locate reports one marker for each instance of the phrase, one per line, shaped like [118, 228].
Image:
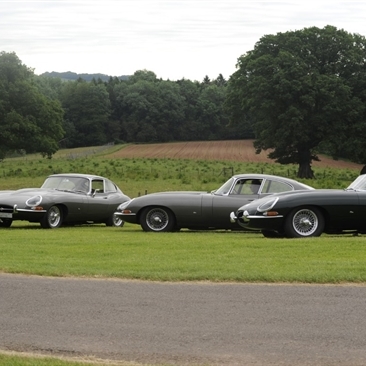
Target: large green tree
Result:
[299, 89]
[29, 120]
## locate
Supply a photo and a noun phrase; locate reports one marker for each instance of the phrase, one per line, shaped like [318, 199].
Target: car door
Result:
[217, 207]
[242, 192]
[99, 202]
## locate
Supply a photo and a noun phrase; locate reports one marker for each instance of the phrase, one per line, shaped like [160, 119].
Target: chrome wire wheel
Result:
[157, 219]
[117, 221]
[305, 222]
[53, 218]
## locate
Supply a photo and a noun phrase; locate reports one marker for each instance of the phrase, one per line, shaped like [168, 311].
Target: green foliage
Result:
[87, 109]
[141, 108]
[302, 88]
[139, 176]
[28, 119]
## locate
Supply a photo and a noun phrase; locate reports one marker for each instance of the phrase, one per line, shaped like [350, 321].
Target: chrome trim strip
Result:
[263, 217]
[28, 210]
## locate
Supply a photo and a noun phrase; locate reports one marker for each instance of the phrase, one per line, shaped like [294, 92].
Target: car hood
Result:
[21, 195]
[294, 194]
[158, 197]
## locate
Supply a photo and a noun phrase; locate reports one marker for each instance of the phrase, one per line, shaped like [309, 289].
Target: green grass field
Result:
[129, 253]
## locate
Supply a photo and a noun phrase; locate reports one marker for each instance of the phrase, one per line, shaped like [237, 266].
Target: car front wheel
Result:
[53, 218]
[157, 219]
[5, 222]
[304, 222]
[115, 220]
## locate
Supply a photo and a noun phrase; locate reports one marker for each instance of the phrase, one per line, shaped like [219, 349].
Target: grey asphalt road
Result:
[184, 323]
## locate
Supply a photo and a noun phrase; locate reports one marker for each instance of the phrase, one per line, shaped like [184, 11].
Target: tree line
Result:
[42, 113]
[296, 93]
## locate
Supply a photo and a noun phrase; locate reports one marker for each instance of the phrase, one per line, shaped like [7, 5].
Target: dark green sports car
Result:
[64, 199]
[306, 214]
[171, 211]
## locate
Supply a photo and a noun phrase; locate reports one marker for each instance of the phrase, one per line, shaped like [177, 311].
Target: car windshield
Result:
[359, 184]
[225, 188]
[74, 184]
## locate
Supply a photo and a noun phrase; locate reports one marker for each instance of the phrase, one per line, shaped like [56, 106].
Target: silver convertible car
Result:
[64, 199]
[171, 211]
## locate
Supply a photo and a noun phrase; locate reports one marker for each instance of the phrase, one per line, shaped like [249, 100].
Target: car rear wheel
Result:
[304, 222]
[115, 220]
[53, 218]
[157, 219]
[5, 222]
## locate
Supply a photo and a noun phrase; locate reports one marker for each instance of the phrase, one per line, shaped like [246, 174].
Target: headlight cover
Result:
[34, 201]
[123, 205]
[268, 205]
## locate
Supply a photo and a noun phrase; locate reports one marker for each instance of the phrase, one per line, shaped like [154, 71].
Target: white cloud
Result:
[173, 38]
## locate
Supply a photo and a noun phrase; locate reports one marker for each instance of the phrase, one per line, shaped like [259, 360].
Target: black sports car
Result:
[307, 213]
[64, 199]
[171, 211]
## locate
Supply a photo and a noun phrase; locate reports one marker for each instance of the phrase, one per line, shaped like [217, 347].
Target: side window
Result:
[272, 186]
[110, 187]
[247, 186]
[98, 185]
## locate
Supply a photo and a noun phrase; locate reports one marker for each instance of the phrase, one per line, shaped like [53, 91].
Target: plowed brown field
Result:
[236, 150]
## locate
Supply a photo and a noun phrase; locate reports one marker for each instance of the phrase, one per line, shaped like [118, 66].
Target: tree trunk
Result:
[305, 170]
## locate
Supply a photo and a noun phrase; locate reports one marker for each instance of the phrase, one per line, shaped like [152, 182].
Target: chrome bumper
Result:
[233, 218]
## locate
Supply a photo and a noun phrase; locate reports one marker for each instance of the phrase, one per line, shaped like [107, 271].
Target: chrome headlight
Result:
[123, 205]
[34, 201]
[268, 205]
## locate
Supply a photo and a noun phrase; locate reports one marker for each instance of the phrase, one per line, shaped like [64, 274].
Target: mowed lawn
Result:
[130, 253]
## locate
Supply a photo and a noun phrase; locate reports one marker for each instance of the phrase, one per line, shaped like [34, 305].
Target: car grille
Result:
[6, 209]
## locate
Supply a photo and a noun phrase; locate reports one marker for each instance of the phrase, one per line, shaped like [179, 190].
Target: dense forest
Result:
[296, 93]
[140, 108]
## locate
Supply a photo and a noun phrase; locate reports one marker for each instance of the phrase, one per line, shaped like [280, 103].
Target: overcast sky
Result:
[173, 38]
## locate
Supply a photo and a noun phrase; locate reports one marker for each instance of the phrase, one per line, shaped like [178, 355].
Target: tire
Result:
[53, 218]
[157, 219]
[5, 222]
[304, 222]
[115, 220]
[272, 234]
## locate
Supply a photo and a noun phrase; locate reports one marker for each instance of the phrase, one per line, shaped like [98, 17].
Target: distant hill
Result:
[68, 75]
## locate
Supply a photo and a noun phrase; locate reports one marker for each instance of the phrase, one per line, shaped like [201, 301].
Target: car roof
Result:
[270, 176]
[76, 175]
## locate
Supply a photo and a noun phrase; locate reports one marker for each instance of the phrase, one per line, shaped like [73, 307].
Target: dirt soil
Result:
[233, 150]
